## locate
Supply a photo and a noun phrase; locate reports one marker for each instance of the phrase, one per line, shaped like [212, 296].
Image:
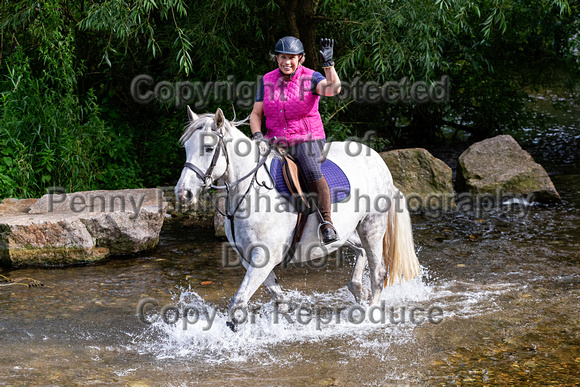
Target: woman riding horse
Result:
[288, 97]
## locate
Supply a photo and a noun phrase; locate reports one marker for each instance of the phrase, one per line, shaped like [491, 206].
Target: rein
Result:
[207, 180]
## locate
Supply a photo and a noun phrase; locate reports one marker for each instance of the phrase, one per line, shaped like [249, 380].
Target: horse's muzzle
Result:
[184, 196]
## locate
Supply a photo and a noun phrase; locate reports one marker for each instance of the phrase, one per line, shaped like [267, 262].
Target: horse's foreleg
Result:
[275, 292]
[271, 284]
[259, 271]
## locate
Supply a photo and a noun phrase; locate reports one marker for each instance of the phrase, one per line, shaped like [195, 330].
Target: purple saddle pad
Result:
[335, 177]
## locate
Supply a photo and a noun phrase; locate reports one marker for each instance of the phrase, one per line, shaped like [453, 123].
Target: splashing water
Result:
[196, 329]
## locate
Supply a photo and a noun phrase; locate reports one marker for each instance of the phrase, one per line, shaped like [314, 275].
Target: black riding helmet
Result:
[289, 45]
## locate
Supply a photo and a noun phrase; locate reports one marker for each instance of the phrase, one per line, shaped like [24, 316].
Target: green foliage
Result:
[207, 40]
[494, 52]
[127, 21]
[387, 39]
[219, 40]
[49, 136]
[67, 116]
[164, 155]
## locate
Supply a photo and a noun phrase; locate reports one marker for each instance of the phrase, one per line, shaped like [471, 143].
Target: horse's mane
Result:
[193, 126]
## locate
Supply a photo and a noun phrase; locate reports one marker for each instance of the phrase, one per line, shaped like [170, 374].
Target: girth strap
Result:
[292, 175]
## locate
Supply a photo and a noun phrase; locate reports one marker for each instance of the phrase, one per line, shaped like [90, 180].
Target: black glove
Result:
[326, 51]
[263, 144]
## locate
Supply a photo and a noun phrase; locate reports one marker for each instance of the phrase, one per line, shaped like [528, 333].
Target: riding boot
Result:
[320, 187]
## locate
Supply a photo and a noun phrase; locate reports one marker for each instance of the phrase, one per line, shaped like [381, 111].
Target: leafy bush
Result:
[48, 136]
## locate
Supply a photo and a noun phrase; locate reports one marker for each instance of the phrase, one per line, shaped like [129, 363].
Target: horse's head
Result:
[206, 157]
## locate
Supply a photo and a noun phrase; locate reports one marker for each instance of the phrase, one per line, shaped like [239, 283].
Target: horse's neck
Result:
[240, 165]
[241, 177]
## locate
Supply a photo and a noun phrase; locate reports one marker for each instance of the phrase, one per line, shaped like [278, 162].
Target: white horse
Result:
[373, 220]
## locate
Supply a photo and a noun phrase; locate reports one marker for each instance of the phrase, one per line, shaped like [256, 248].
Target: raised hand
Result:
[326, 52]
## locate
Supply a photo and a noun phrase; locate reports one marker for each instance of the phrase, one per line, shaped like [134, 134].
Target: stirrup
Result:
[320, 237]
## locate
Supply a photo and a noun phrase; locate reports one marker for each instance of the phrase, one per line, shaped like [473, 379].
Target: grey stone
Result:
[10, 206]
[500, 165]
[426, 181]
[82, 227]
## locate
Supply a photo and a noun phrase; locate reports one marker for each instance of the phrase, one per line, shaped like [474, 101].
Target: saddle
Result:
[297, 185]
[291, 184]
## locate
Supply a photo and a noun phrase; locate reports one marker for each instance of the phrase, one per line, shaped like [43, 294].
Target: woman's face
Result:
[288, 63]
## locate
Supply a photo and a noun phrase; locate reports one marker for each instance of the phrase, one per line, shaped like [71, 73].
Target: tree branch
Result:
[324, 18]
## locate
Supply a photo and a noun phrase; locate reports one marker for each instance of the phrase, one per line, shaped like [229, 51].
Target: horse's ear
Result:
[192, 116]
[219, 119]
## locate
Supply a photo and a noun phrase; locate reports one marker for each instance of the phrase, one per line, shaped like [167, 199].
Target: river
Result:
[498, 304]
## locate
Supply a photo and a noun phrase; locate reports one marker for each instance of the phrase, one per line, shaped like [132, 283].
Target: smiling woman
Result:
[288, 97]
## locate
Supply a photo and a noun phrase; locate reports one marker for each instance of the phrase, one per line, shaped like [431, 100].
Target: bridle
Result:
[207, 179]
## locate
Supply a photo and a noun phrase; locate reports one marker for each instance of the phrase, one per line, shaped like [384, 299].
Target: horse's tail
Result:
[398, 247]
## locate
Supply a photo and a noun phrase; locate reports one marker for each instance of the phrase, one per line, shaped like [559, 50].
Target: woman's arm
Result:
[331, 85]
[256, 117]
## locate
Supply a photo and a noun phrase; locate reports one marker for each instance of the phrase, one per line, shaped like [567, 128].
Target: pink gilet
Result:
[290, 107]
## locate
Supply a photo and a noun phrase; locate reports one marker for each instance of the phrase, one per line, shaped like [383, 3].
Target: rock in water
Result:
[61, 228]
[425, 180]
[499, 164]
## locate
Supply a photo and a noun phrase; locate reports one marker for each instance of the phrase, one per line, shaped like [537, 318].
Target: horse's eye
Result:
[209, 149]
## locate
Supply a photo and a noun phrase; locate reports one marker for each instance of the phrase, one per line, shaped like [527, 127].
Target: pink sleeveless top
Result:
[290, 107]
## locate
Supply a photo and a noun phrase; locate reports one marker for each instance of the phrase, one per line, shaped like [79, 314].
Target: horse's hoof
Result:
[283, 307]
[232, 326]
[360, 294]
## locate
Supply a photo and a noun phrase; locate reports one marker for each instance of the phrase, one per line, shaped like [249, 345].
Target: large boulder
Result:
[81, 227]
[500, 165]
[426, 181]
